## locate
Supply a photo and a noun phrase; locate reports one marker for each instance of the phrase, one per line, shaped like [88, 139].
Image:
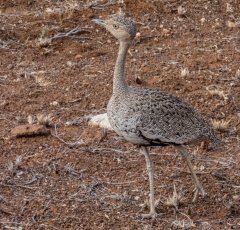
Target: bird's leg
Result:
[150, 170]
[199, 188]
[104, 135]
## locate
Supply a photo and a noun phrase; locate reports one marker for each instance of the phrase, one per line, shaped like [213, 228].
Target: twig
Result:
[121, 183]
[93, 150]
[182, 223]
[230, 38]
[224, 163]
[97, 6]
[71, 170]
[46, 41]
[3, 199]
[17, 185]
[31, 181]
[9, 222]
[72, 32]
[70, 144]
[6, 212]
[230, 185]
[76, 100]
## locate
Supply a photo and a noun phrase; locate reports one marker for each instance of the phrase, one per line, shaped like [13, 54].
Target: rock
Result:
[29, 130]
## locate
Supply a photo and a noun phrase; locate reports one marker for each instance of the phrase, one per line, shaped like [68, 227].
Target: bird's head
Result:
[121, 27]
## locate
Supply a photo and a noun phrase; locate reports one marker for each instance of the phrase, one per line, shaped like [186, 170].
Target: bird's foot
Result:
[199, 191]
[104, 135]
[151, 215]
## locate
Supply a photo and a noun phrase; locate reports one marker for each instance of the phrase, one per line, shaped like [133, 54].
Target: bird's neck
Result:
[119, 82]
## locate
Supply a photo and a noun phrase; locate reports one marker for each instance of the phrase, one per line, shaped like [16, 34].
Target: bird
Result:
[151, 117]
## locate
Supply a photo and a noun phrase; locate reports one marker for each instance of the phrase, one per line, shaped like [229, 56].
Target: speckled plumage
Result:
[150, 116]
[128, 23]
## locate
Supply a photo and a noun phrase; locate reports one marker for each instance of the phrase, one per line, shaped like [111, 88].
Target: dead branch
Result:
[95, 5]
[17, 185]
[6, 212]
[70, 144]
[70, 33]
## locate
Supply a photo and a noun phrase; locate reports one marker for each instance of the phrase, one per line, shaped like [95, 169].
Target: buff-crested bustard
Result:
[150, 117]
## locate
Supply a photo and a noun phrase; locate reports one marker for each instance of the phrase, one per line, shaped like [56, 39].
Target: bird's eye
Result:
[115, 26]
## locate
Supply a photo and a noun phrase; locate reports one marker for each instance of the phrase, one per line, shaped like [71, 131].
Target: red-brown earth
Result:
[68, 180]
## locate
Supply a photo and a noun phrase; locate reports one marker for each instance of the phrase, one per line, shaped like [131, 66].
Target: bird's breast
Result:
[124, 120]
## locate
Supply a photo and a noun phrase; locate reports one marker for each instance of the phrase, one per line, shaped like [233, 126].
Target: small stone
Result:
[181, 10]
[202, 20]
[68, 123]
[54, 103]
[138, 34]
[78, 56]
[236, 197]
[202, 168]
[69, 63]
[49, 10]
[136, 198]
[165, 31]
[231, 24]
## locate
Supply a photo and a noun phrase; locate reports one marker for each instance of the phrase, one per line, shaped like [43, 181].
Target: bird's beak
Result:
[99, 22]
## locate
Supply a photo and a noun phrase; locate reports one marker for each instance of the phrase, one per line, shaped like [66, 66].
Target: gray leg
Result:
[199, 188]
[104, 135]
[150, 170]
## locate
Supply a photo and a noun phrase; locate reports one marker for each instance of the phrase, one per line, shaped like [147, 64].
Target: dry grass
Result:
[176, 199]
[185, 223]
[41, 119]
[185, 72]
[238, 73]
[45, 120]
[42, 40]
[217, 92]
[221, 125]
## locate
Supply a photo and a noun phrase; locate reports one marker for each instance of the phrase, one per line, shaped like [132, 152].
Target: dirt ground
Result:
[68, 180]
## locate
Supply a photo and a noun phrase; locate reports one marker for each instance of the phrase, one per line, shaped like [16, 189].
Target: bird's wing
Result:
[170, 121]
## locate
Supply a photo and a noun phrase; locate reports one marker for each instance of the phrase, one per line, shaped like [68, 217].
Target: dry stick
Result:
[17, 185]
[10, 222]
[6, 212]
[98, 6]
[70, 144]
[5, 119]
[70, 33]
[3, 199]
[76, 100]
[31, 181]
